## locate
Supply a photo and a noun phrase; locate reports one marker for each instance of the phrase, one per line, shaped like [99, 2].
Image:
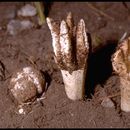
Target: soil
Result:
[35, 46]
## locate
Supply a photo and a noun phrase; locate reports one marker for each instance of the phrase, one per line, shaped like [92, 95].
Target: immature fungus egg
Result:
[26, 84]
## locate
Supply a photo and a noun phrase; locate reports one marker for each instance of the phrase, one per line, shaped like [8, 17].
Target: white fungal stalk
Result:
[121, 65]
[74, 83]
[71, 48]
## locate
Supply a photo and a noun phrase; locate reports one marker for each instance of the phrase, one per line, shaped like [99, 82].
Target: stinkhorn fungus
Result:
[71, 48]
[26, 84]
[121, 65]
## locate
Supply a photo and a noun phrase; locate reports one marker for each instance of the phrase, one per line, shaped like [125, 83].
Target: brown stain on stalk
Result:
[128, 55]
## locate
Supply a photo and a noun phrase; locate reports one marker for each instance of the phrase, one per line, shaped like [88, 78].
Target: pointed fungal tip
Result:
[51, 23]
[48, 19]
[82, 22]
[63, 24]
[69, 15]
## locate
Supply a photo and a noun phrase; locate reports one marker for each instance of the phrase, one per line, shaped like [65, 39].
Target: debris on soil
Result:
[107, 102]
[100, 23]
[100, 12]
[102, 95]
[27, 11]
[96, 41]
[100, 91]
[16, 26]
[123, 37]
[40, 10]
[2, 71]
[24, 109]
[27, 84]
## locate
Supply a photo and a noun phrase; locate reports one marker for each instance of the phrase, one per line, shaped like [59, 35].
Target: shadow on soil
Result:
[99, 67]
[48, 78]
[47, 7]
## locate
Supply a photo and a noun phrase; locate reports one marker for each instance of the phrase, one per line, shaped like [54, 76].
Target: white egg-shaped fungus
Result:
[26, 84]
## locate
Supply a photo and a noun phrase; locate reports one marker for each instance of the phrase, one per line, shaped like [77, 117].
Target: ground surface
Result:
[56, 110]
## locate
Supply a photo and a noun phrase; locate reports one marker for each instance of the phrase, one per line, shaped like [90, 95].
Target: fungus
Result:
[121, 66]
[27, 84]
[71, 48]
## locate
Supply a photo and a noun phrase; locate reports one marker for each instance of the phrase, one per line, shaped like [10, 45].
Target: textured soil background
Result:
[56, 110]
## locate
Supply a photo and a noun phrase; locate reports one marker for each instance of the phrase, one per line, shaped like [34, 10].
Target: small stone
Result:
[27, 10]
[16, 26]
[21, 111]
[13, 27]
[26, 24]
[107, 102]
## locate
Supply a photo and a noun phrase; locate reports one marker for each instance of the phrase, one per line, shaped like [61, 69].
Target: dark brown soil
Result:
[56, 110]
